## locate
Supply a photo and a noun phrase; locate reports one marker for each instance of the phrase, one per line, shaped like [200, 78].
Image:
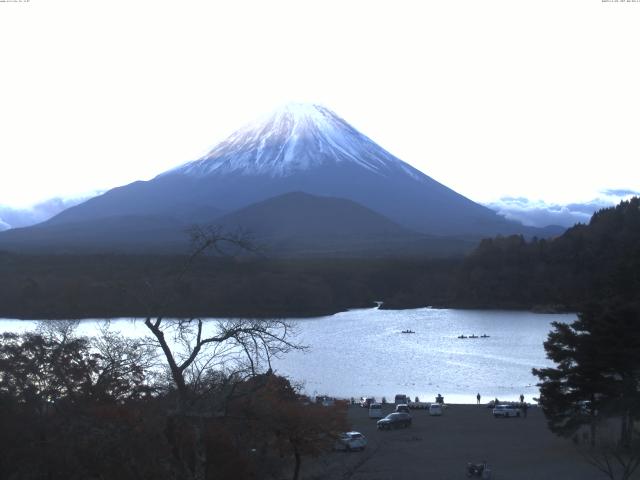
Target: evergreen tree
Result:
[597, 373]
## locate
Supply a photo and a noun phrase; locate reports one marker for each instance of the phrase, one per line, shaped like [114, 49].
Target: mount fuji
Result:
[297, 148]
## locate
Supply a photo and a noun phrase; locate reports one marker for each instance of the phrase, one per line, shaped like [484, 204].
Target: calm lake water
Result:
[363, 352]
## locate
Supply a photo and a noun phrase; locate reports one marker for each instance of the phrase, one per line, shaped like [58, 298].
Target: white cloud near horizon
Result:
[537, 213]
[11, 217]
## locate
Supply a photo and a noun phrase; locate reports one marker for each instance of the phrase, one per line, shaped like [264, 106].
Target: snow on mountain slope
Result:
[295, 137]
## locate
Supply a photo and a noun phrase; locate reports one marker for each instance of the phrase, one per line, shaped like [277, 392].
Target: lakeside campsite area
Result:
[439, 447]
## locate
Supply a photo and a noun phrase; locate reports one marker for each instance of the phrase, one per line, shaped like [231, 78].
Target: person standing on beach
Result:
[478, 398]
[521, 398]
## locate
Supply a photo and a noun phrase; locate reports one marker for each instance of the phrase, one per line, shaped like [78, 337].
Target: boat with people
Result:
[408, 331]
[484, 335]
[462, 336]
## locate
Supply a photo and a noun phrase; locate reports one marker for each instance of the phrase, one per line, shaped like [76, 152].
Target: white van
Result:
[435, 409]
[375, 410]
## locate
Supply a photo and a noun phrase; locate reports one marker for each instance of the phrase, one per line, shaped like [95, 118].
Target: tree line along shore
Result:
[560, 274]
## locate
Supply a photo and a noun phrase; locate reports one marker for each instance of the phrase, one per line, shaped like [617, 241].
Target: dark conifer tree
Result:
[597, 373]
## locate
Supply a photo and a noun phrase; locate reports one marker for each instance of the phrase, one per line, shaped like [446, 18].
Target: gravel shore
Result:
[439, 448]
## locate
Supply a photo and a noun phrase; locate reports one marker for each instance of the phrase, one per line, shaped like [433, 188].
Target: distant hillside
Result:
[598, 260]
[299, 214]
[301, 224]
[594, 261]
[128, 233]
[294, 224]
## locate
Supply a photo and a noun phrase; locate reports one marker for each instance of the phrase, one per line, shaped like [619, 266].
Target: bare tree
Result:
[240, 348]
[127, 365]
[205, 360]
[58, 330]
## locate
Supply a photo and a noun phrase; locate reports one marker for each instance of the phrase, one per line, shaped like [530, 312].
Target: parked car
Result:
[394, 420]
[506, 411]
[366, 401]
[375, 410]
[402, 407]
[350, 441]
[435, 409]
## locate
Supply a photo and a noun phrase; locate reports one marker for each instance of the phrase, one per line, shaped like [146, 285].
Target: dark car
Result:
[394, 420]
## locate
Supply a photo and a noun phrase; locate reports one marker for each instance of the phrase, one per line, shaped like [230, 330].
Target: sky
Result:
[523, 105]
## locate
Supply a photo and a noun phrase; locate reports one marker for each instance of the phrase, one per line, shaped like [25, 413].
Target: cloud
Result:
[540, 214]
[537, 213]
[620, 192]
[23, 217]
[589, 208]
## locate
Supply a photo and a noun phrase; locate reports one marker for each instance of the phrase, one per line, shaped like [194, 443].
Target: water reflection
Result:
[363, 352]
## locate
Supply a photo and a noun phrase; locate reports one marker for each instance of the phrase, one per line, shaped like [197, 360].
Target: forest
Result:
[598, 260]
[558, 274]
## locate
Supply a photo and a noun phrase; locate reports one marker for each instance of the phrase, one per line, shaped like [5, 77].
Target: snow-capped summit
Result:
[294, 137]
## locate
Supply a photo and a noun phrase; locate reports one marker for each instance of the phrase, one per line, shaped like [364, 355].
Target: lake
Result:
[363, 352]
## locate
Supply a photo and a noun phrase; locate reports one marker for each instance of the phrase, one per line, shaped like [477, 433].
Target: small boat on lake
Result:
[408, 331]
[484, 336]
[462, 336]
[473, 336]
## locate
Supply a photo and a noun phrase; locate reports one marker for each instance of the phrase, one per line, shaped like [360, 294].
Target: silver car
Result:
[350, 441]
[506, 411]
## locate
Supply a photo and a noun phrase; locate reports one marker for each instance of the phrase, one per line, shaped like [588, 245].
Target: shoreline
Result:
[536, 309]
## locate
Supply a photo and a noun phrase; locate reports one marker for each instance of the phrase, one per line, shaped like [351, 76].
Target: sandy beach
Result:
[439, 448]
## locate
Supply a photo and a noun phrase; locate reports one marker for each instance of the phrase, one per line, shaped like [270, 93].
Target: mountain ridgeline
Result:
[364, 200]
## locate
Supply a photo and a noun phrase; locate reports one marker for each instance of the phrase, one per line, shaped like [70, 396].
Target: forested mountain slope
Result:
[598, 259]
